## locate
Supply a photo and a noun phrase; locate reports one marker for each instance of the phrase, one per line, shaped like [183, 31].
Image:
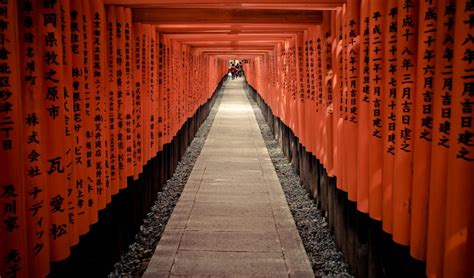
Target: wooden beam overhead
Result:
[263, 46]
[229, 49]
[217, 26]
[199, 16]
[224, 2]
[254, 52]
[232, 4]
[232, 37]
[232, 28]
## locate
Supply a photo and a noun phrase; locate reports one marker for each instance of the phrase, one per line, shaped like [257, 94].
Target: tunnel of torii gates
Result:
[379, 92]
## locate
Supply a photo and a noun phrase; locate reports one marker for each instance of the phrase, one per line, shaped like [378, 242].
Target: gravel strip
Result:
[314, 231]
[134, 262]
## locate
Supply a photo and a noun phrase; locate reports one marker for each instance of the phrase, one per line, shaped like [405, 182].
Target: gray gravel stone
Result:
[319, 243]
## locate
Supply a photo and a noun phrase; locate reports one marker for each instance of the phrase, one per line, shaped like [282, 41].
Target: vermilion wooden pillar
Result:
[440, 143]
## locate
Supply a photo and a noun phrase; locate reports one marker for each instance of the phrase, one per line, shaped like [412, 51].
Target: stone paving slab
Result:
[232, 219]
[199, 222]
[238, 188]
[233, 197]
[242, 209]
[221, 264]
[237, 241]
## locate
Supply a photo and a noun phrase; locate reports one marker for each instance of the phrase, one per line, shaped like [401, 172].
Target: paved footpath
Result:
[232, 218]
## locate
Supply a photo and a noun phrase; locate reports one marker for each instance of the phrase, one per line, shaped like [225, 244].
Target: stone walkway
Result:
[232, 218]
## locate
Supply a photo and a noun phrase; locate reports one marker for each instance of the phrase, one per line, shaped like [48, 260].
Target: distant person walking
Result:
[233, 71]
[239, 69]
